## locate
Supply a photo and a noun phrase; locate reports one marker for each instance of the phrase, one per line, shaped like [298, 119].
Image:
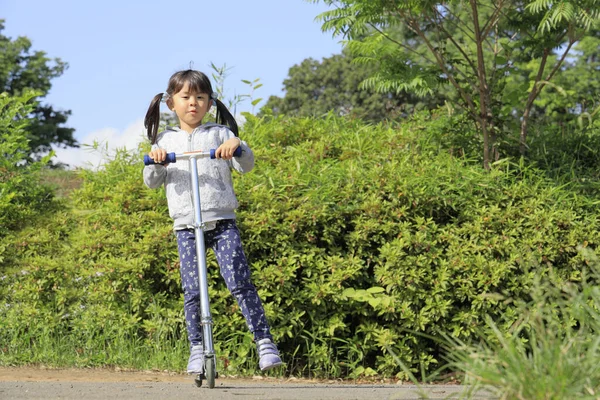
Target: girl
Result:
[190, 96]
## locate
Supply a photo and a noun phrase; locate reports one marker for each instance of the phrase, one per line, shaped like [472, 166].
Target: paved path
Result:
[91, 385]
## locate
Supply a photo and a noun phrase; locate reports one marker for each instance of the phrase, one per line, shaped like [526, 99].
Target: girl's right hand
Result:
[158, 155]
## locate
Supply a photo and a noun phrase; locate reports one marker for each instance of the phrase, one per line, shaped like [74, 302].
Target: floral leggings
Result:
[227, 245]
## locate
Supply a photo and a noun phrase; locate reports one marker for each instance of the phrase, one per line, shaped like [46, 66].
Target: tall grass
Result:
[122, 349]
[552, 352]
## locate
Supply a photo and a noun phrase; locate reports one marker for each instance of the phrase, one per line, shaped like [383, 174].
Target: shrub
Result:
[22, 197]
[360, 238]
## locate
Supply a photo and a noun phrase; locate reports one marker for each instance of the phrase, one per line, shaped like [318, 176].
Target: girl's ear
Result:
[170, 104]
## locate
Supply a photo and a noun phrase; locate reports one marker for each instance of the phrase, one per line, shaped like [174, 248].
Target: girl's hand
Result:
[225, 151]
[158, 155]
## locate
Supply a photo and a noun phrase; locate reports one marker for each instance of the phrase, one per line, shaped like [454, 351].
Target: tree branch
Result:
[491, 22]
[484, 95]
[562, 58]
[400, 44]
[538, 84]
[458, 26]
[440, 27]
[414, 26]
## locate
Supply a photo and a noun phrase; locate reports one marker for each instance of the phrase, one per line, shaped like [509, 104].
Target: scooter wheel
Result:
[210, 371]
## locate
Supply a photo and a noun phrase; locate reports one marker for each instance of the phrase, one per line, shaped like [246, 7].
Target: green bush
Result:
[22, 197]
[361, 238]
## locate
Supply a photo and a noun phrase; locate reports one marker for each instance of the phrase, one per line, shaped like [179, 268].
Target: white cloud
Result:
[107, 141]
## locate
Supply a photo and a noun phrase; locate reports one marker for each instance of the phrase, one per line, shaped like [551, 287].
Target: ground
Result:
[90, 384]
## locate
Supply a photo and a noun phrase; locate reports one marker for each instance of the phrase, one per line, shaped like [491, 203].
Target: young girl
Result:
[190, 96]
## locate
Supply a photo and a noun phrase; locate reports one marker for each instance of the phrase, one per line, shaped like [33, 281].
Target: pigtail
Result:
[152, 119]
[224, 117]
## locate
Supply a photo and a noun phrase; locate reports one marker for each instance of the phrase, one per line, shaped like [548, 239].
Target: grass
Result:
[551, 353]
[123, 350]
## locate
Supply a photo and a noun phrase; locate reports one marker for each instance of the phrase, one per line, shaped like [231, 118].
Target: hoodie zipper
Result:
[190, 170]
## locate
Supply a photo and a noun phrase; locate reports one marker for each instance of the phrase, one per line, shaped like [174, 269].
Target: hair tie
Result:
[214, 95]
[165, 97]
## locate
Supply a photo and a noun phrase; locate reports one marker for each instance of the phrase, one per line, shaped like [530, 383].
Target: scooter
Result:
[210, 371]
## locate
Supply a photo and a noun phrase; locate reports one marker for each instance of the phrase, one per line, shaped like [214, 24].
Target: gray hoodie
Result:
[217, 197]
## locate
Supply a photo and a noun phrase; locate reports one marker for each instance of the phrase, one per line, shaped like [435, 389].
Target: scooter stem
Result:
[205, 316]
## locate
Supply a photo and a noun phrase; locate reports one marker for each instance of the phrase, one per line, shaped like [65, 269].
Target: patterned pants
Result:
[226, 243]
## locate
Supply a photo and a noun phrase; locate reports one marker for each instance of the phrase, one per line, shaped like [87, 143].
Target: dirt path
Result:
[92, 384]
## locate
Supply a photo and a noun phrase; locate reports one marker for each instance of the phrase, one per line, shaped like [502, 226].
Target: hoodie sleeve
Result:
[245, 162]
[155, 175]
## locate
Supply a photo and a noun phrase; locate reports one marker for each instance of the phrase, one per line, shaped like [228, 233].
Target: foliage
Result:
[496, 56]
[574, 95]
[22, 198]
[314, 88]
[567, 153]
[22, 70]
[538, 358]
[219, 75]
[361, 238]
[564, 12]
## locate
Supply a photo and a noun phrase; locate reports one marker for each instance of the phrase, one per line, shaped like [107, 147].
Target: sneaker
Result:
[196, 361]
[268, 355]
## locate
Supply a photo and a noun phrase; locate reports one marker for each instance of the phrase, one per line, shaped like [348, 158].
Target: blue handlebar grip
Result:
[171, 158]
[236, 153]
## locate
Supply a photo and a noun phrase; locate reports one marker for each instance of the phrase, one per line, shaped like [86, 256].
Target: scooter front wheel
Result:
[210, 371]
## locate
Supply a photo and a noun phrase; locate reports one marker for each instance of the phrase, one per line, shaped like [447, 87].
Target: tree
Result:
[22, 69]
[575, 94]
[314, 88]
[476, 47]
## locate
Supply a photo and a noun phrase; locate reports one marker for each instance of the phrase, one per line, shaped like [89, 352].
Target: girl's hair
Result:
[198, 83]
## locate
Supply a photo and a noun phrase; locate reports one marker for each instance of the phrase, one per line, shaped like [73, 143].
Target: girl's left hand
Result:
[225, 151]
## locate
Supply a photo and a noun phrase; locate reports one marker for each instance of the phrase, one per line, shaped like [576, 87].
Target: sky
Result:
[122, 53]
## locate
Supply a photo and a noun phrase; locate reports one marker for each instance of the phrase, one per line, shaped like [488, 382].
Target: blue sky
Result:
[121, 53]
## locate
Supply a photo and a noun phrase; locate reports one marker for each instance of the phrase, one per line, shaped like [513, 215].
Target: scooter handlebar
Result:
[236, 153]
[172, 157]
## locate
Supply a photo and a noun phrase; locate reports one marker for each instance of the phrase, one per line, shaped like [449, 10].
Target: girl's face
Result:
[190, 107]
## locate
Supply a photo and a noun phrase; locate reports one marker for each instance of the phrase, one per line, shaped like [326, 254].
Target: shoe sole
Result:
[268, 367]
